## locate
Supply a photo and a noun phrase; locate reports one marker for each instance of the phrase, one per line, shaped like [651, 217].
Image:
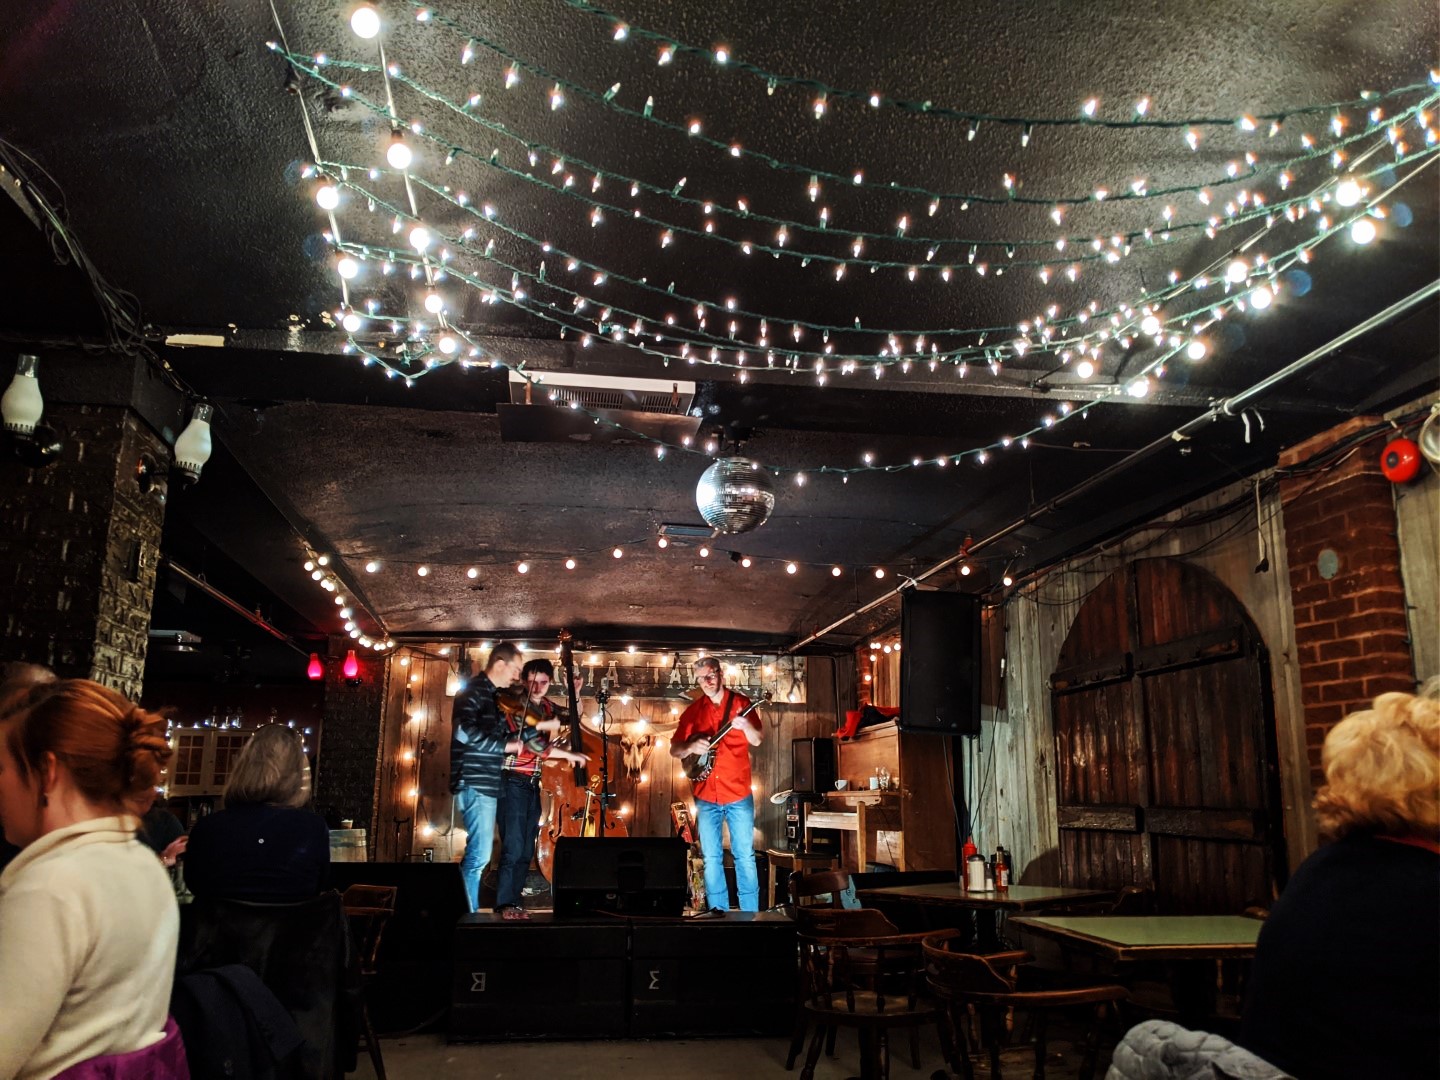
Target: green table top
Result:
[1015, 898]
[1157, 937]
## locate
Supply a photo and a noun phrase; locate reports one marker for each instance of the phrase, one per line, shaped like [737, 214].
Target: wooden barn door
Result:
[1165, 744]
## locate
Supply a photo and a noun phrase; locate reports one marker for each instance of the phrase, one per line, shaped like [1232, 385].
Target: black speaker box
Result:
[813, 766]
[732, 976]
[940, 663]
[538, 978]
[623, 875]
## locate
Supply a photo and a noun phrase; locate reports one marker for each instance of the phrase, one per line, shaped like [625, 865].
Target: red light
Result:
[351, 668]
[316, 670]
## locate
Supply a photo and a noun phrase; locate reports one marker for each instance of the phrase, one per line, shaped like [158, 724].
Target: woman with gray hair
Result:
[264, 845]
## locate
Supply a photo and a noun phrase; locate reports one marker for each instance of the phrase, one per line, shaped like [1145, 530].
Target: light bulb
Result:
[21, 406]
[569, 564]
[434, 303]
[372, 567]
[327, 196]
[835, 571]
[965, 569]
[1139, 388]
[1237, 271]
[522, 568]
[352, 322]
[420, 238]
[1362, 231]
[398, 154]
[193, 447]
[1084, 369]
[1196, 350]
[879, 572]
[1348, 193]
[347, 267]
[423, 571]
[745, 561]
[472, 573]
[790, 568]
[365, 21]
[704, 552]
[1150, 325]
[1007, 580]
[448, 345]
[1260, 298]
[617, 553]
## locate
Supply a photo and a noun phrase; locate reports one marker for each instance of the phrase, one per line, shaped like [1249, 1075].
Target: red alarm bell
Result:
[1400, 461]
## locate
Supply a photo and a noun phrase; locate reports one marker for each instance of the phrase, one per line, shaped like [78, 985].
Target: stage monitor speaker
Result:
[940, 663]
[813, 766]
[623, 875]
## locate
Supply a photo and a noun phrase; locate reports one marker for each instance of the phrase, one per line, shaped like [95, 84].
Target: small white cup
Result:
[841, 785]
[874, 783]
[347, 823]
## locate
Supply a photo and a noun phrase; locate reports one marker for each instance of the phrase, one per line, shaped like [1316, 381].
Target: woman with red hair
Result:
[88, 922]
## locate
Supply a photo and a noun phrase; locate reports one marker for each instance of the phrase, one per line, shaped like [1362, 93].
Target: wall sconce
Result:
[351, 669]
[151, 479]
[21, 407]
[194, 446]
[315, 669]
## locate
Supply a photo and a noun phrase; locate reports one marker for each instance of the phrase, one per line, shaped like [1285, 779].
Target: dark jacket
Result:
[1346, 979]
[233, 1026]
[477, 739]
[266, 854]
[302, 952]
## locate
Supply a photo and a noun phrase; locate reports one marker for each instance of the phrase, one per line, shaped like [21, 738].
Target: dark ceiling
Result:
[176, 137]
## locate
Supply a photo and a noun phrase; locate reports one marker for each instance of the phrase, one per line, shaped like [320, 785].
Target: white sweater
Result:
[88, 931]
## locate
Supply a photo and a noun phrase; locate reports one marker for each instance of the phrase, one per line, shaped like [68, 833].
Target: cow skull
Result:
[635, 749]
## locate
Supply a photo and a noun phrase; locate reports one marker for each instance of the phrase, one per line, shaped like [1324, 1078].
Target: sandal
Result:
[514, 912]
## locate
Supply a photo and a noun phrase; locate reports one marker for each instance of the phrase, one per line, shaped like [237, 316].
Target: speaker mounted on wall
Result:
[940, 663]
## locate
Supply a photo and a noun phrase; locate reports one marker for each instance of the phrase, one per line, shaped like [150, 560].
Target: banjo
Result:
[699, 766]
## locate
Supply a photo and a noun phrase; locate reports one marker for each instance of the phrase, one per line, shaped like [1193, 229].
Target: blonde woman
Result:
[88, 922]
[1346, 981]
[263, 846]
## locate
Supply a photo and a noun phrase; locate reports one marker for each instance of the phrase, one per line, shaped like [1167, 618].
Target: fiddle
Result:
[524, 715]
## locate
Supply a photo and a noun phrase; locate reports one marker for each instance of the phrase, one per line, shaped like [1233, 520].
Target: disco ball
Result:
[735, 495]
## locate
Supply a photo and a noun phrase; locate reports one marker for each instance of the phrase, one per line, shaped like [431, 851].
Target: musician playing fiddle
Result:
[724, 798]
[530, 716]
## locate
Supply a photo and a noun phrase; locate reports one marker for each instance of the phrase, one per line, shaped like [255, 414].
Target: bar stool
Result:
[788, 861]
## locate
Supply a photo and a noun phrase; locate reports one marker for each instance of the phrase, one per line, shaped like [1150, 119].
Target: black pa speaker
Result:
[622, 875]
[940, 663]
[813, 762]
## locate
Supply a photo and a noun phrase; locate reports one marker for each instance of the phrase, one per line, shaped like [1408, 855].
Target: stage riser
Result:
[621, 978]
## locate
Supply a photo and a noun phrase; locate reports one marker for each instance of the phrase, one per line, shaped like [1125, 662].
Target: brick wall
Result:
[348, 771]
[1350, 628]
[79, 549]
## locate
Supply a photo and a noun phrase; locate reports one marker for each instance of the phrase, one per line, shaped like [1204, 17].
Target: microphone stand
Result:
[602, 698]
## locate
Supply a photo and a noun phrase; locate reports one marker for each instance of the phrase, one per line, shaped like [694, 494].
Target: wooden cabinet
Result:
[912, 825]
[202, 760]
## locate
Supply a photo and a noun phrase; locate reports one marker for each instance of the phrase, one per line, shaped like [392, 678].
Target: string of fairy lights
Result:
[1074, 343]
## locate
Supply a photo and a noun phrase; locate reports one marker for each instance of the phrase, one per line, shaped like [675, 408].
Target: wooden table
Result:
[1177, 940]
[1015, 898]
[987, 904]
[1150, 937]
[863, 810]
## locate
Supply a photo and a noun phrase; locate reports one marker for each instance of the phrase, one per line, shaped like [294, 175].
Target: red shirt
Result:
[730, 780]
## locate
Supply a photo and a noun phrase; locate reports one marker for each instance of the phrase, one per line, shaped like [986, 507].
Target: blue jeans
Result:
[479, 814]
[740, 817]
[519, 823]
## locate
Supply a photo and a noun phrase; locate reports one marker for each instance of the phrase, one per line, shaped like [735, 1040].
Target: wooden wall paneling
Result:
[927, 803]
[382, 845]
[1417, 513]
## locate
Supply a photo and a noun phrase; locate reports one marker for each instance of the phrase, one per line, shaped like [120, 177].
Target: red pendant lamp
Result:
[316, 670]
[351, 667]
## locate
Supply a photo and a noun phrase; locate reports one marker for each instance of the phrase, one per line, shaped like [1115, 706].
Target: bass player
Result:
[725, 796]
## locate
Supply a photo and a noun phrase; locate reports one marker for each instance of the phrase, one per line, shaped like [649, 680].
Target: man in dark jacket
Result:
[478, 745]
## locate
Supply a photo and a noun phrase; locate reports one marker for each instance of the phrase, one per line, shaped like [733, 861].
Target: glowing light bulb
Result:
[327, 196]
[1237, 271]
[433, 303]
[522, 568]
[399, 154]
[372, 567]
[704, 552]
[745, 561]
[352, 322]
[448, 345]
[1348, 193]
[965, 569]
[1139, 388]
[1196, 350]
[423, 571]
[1362, 231]
[1260, 298]
[835, 571]
[879, 572]
[790, 568]
[420, 238]
[569, 564]
[1084, 369]
[347, 267]
[618, 553]
[365, 21]
[1150, 325]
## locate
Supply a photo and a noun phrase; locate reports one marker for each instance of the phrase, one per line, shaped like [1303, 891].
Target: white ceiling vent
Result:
[671, 397]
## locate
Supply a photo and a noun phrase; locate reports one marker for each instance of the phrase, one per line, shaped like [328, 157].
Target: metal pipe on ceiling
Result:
[1230, 406]
[234, 605]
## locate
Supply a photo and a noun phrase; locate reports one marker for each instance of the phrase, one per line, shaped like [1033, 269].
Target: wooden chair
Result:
[853, 976]
[992, 984]
[807, 889]
[368, 908]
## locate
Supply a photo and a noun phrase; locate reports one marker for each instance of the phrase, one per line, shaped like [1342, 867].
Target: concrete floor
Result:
[429, 1057]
